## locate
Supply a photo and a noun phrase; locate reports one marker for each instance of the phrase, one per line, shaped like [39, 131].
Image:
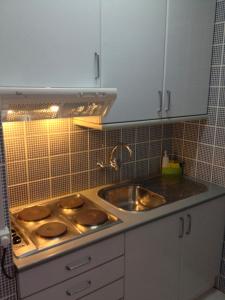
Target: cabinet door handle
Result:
[181, 230]
[97, 66]
[80, 288]
[189, 224]
[80, 264]
[160, 101]
[167, 108]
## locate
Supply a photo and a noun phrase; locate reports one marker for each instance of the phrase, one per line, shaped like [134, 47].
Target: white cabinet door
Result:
[188, 55]
[152, 261]
[49, 42]
[133, 44]
[202, 248]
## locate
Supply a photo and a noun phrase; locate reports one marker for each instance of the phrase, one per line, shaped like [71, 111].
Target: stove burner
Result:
[91, 217]
[34, 213]
[51, 230]
[71, 202]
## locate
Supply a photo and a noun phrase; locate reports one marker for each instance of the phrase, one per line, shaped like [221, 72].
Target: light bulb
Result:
[54, 108]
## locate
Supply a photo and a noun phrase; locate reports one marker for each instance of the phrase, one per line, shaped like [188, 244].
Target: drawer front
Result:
[114, 291]
[68, 266]
[87, 283]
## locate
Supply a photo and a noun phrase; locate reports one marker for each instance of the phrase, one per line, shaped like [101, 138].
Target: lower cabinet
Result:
[94, 272]
[92, 285]
[176, 257]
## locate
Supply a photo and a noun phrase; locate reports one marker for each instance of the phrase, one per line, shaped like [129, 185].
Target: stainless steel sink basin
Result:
[132, 197]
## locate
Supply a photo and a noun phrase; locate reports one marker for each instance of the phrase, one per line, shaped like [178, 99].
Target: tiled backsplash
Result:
[51, 158]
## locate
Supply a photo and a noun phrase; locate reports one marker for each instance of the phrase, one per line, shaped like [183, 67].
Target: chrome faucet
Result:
[114, 162]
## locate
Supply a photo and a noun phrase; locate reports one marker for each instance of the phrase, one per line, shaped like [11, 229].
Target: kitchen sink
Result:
[132, 197]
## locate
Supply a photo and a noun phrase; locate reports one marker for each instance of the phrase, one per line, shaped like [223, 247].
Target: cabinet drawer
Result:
[87, 283]
[114, 291]
[41, 277]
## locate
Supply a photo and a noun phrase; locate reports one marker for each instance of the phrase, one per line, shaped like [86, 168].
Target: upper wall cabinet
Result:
[49, 43]
[157, 53]
[133, 45]
[187, 58]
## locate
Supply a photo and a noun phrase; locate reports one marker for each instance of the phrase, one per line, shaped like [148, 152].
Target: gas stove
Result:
[47, 224]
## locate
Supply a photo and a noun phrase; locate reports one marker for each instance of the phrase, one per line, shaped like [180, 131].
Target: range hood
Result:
[27, 104]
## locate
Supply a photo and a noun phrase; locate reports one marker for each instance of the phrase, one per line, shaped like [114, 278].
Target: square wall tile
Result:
[190, 149]
[215, 76]
[60, 165]
[97, 178]
[191, 132]
[155, 166]
[142, 168]
[59, 125]
[17, 173]
[18, 195]
[40, 190]
[79, 162]
[204, 171]
[220, 11]
[189, 167]
[38, 169]
[218, 175]
[206, 134]
[61, 186]
[219, 156]
[142, 151]
[205, 153]
[156, 132]
[113, 137]
[15, 149]
[96, 139]
[142, 134]
[218, 33]
[217, 54]
[222, 97]
[129, 135]
[178, 130]
[79, 181]
[220, 137]
[128, 171]
[59, 143]
[213, 96]
[39, 127]
[221, 117]
[13, 129]
[79, 141]
[155, 148]
[37, 147]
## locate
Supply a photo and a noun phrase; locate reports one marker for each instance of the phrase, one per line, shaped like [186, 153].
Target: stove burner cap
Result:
[51, 230]
[34, 213]
[71, 202]
[91, 217]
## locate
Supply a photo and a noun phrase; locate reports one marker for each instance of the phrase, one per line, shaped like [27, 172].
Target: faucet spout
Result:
[114, 162]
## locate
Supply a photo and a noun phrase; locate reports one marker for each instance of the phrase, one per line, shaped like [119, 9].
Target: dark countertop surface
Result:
[180, 193]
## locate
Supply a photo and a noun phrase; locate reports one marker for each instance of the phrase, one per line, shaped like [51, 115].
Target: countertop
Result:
[129, 219]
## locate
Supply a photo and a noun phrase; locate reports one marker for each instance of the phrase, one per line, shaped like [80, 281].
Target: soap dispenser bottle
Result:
[165, 160]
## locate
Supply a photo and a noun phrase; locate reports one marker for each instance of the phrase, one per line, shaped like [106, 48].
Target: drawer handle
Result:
[78, 265]
[83, 286]
[189, 225]
[181, 233]
[160, 101]
[168, 100]
[97, 70]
